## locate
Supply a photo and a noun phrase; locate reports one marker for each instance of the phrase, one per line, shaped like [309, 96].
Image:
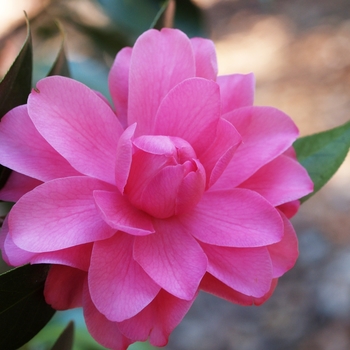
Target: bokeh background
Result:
[300, 53]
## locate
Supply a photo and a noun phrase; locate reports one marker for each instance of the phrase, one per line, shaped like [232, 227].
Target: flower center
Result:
[165, 178]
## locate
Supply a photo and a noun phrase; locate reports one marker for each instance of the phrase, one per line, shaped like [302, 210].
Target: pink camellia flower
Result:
[184, 187]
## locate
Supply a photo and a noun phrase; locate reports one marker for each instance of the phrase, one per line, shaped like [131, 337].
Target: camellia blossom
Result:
[185, 186]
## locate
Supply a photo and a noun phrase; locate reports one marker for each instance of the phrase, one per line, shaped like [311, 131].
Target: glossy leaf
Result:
[65, 340]
[323, 153]
[15, 87]
[60, 66]
[23, 310]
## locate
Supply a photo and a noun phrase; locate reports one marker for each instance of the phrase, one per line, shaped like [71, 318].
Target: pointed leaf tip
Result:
[65, 340]
[322, 154]
[60, 66]
[15, 86]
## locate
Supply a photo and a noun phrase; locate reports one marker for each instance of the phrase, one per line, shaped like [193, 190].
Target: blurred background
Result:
[300, 53]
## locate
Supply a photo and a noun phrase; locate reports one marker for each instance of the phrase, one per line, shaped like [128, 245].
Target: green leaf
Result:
[65, 340]
[23, 310]
[165, 16]
[323, 153]
[60, 66]
[16, 85]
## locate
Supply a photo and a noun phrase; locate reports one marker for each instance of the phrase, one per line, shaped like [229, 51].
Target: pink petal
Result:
[11, 254]
[216, 158]
[284, 254]
[121, 215]
[213, 286]
[58, 214]
[24, 150]
[78, 124]
[260, 301]
[235, 218]
[289, 209]
[266, 133]
[159, 61]
[248, 270]
[77, 257]
[118, 81]
[118, 286]
[191, 110]
[205, 57]
[172, 258]
[124, 157]
[157, 320]
[290, 152]
[280, 181]
[159, 196]
[16, 186]
[236, 90]
[64, 287]
[103, 330]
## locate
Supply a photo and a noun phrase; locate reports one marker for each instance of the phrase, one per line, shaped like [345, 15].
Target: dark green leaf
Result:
[323, 153]
[165, 16]
[60, 66]
[23, 310]
[16, 85]
[65, 340]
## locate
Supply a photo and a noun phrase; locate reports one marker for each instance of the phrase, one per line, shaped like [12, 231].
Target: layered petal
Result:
[172, 258]
[266, 133]
[24, 150]
[219, 154]
[124, 157]
[59, 214]
[237, 218]
[159, 61]
[246, 270]
[118, 285]
[289, 209]
[157, 320]
[77, 257]
[16, 186]
[212, 285]
[77, 124]
[103, 330]
[236, 90]
[64, 287]
[284, 254]
[191, 111]
[205, 58]
[121, 215]
[281, 180]
[11, 254]
[118, 82]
